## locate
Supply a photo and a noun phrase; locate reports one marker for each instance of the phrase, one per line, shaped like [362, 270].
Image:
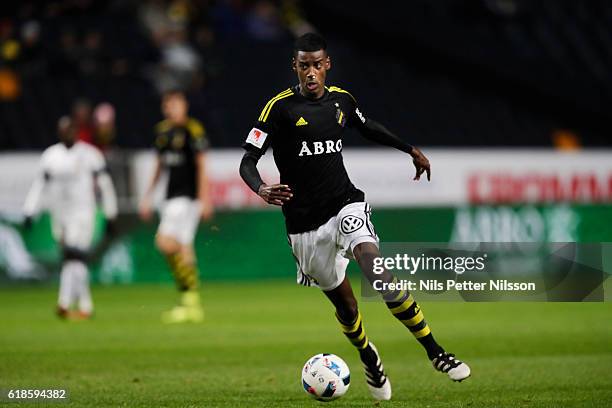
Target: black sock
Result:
[355, 332]
[403, 306]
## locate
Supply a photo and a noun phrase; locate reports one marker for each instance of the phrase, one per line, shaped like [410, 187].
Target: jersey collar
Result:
[296, 91]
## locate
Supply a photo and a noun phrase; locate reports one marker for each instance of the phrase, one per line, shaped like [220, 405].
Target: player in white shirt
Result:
[66, 184]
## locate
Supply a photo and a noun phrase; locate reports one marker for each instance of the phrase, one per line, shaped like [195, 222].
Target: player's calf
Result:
[400, 302]
[403, 306]
[354, 331]
[167, 245]
[181, 261]
[405, 309]
[376, 378]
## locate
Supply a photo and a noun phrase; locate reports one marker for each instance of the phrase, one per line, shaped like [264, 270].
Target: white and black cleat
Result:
[376, 378]
[447, 363]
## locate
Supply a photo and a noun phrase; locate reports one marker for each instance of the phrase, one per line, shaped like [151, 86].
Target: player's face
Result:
[311, 69]
[67, 134]
[175, 107]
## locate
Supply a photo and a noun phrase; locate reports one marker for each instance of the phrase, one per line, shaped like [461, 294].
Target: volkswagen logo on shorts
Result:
[350, 223]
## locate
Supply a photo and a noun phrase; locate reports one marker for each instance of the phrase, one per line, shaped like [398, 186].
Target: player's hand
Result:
[27, 222]
[421, 164]
[111, 227]
[208, 210]
[276, 194]
[145, 210]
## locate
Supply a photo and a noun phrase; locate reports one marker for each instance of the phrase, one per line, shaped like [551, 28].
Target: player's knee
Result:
[74, 254]
[366, 252]
[167, 245]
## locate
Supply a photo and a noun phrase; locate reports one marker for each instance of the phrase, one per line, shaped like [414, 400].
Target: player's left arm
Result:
[109, 200]
[204, 186]
[107, 189]
[109, 197]
[376, 132]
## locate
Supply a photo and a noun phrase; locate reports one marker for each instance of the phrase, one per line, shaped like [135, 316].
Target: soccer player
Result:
[327, 218]
[69, 173]
[181, 145]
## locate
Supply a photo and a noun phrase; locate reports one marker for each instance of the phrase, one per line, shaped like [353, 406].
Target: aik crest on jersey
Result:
[306, 139]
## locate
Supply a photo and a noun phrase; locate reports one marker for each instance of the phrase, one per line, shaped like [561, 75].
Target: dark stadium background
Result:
[510, 99]
[439, 73]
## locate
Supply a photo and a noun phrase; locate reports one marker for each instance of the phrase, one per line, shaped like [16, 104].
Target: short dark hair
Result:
[310, 42]
[173, 92]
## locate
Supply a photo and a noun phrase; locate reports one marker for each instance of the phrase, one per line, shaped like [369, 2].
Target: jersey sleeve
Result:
[35, 196]
[261, 135]
[356, 118]
[160, 136]
[198, 140]
[44, 165]
[105, 184]
[97, 162]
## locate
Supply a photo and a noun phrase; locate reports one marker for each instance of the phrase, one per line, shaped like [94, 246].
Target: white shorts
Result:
[74, 229]
[323, 254]
[180, 217]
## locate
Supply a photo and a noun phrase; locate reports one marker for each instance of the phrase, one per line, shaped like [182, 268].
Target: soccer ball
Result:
[326, 377]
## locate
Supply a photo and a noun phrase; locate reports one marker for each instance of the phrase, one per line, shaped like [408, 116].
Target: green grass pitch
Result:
[250, 350]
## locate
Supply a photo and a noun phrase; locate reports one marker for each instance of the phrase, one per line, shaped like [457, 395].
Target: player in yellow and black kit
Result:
[327, 218]
[181, 146]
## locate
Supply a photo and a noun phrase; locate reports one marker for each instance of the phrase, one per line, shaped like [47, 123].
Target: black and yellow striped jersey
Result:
[177, 146]
[306, 139]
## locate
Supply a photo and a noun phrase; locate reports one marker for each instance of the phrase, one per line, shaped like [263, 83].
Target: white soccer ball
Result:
[326, 377]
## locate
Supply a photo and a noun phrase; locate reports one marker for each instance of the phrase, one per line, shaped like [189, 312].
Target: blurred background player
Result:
[181, 145]
[70, 172]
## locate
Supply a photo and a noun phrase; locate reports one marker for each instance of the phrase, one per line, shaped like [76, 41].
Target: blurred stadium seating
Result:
[444, 73]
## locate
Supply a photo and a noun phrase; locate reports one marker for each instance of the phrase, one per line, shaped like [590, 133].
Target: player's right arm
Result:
[145, 208]
[256, 144]
[276, 194]
[35, 195]
[146, 204]
[33, 199]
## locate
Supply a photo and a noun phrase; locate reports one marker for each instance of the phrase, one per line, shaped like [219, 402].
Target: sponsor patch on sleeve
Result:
[257, 137]
[360, 115]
